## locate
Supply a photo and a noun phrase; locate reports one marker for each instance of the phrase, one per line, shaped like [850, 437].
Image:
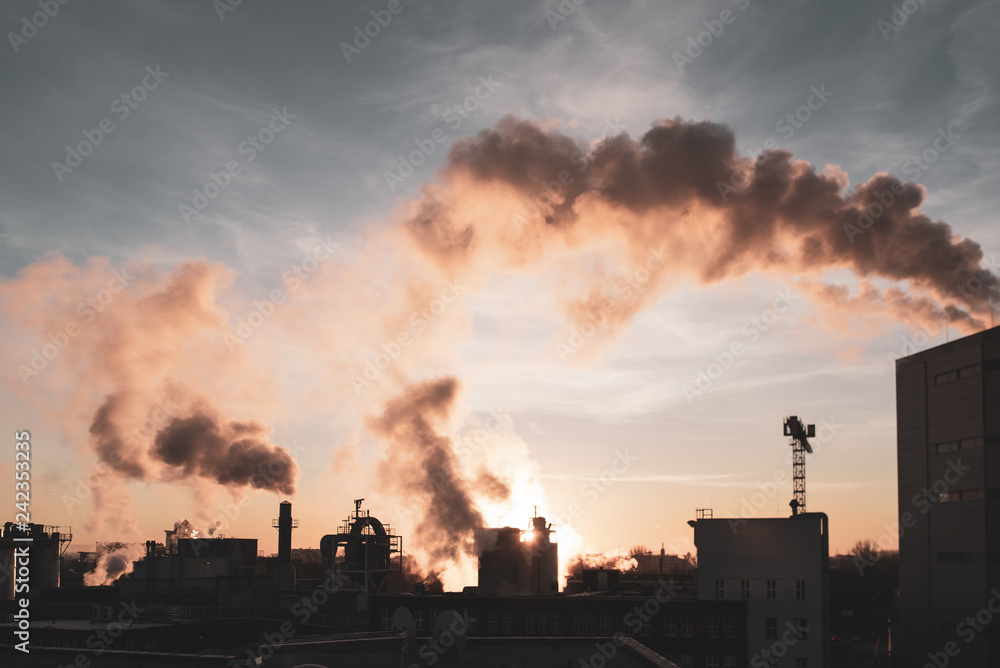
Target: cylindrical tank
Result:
[43, 559]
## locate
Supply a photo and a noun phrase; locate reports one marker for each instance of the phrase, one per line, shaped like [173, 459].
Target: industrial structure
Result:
[193, 565]
[800, 435]
[780, 567]
[47, 545]
[948, 458]
[520, 563]
[284, 571]
[359, 556]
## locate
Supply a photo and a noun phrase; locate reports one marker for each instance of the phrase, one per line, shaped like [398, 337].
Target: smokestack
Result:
[285, 533]
[284, 572]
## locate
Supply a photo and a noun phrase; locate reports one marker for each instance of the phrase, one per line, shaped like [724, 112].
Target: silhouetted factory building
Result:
[46, 547]
[520, 563]
[780, 568]
[948, 456]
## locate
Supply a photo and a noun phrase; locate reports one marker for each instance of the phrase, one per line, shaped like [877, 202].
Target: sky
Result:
[238, 229]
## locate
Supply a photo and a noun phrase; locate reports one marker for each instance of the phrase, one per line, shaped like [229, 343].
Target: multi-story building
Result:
[780, 567]
[948, 457]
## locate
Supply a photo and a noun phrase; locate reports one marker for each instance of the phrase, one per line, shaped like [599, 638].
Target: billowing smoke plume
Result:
[422, 464]
[516, 195]
[113, 561]
[169, 393]
[163, 395]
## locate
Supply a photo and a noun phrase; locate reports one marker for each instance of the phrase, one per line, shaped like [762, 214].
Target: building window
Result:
[720, 588]
[728, 627]
[712, 627]
[744, 589]
[670, 626]
[592, 624]
[508, 622]
[712, 661]
[801, 662]
[543, 623]
[967, 371]
[687, 626]
[385, 620]
[129, 644]
[943, 378]
[771, 628]
[421, 620]
[950, 446]
[578, 624]
[772, 590]
[493, 623]
[729, 661]
[150, 644]
[687, 659]
[803, 627]
[647, 627]
[800, 590]
[555, 623]
[605, 624]
[529, 623]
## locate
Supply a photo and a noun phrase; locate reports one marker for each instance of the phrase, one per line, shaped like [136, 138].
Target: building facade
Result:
[780, 568]
[948, 459]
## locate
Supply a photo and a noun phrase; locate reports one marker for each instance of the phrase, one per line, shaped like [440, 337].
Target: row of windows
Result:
[954, 446]
[771, 589]
[965, 495]
[957, 557]
[964, 372]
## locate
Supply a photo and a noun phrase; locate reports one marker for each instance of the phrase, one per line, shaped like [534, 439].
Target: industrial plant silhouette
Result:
[758, 592]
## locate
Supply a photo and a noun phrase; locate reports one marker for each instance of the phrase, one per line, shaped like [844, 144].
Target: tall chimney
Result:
[285, 533]
[284, 572]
